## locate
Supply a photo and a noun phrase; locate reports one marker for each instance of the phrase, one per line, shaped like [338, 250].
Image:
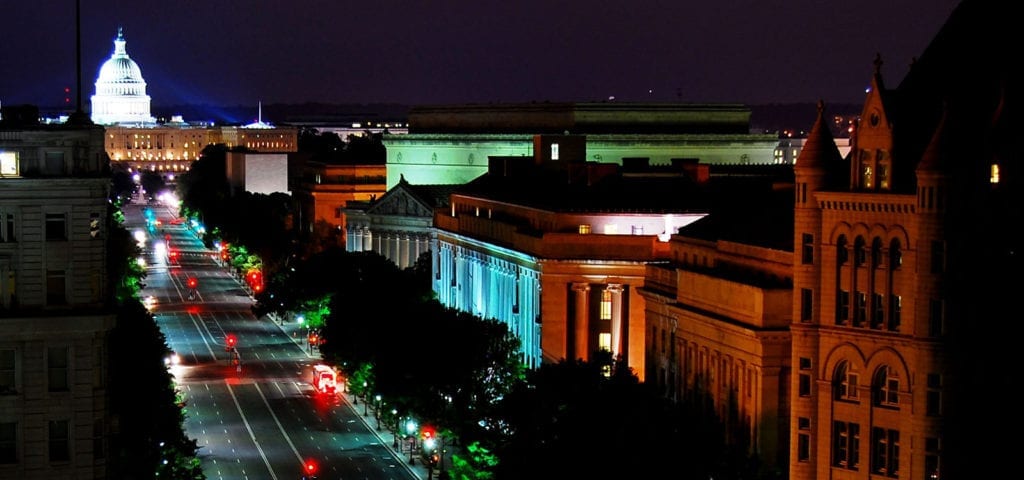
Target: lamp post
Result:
[394, 416]
[410, 428]
[376, 411]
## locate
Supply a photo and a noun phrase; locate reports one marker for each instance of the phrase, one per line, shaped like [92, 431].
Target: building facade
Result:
[451, 144]
[120, 96]
[54, 324]
[136, 141]
[325, 191]
[556, 248]
[398, 225]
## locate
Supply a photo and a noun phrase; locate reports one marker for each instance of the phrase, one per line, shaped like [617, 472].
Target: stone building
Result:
[54, 300]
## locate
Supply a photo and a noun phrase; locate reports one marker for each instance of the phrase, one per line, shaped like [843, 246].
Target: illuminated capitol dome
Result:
[120, 90]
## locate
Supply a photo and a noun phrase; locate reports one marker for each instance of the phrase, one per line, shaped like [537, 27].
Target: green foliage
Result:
[477, 463]
[315, 310]
[359, 376]
[151, 431]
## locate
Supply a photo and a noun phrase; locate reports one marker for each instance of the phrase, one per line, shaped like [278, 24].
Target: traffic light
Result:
[428, 433]
[193, 283]
[230, 341]
[255, 279]
[310, 469]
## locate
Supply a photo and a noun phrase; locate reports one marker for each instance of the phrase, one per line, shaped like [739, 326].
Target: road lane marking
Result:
[251, 434]
[280, 427]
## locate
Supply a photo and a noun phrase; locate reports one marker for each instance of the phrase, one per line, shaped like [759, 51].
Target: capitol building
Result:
[136, 140]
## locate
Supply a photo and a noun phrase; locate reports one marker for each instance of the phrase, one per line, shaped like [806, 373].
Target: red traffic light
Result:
[192, 282]
[310, 467]
[427, 433]
[231, 340]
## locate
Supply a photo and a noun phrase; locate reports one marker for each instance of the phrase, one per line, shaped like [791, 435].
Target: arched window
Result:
[844, 382]
[876, 252]
[895, 255]
[842, 255]
[859, 253]
[885, 388]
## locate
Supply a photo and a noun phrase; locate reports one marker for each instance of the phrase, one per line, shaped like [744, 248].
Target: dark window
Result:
[8, 369]
[862, 309]
[895, 307]
[803, 447]
[56, 288]
[845, 445]
[842, 307]
[885, 388]
[895, 255]
[805, 363]
[806, 304]
[931, 458]
[807, 250]
[885, 452]
[859, 252]
[877, 311]
[842, 255]
[933, 398]
[8, 442]
[845, 382]
[876, 252]
[59, 441]
[57, 368]
[8, 233]
[935, 316]
[805, 385]
[938, 256]
[56, 226]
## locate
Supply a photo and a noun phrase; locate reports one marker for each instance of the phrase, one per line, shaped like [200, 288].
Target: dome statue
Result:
[120, 90]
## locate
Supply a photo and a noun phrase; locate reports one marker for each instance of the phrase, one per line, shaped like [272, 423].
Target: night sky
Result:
[414, 52]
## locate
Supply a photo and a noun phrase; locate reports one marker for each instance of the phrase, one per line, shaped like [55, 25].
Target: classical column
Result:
[367, 236]
[581, 329]
[616, 291]
[403, 250]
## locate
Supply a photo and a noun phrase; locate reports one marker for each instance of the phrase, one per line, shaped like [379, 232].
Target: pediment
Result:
[399, 201]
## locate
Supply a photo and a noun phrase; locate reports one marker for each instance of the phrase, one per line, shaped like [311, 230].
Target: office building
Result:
[54, 294]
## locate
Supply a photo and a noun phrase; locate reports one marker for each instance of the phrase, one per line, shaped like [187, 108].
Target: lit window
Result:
[8, 164]
[606, 304]
[584, 229]
[554, 151]
[604, 341]
[993, 176]
[611, 229]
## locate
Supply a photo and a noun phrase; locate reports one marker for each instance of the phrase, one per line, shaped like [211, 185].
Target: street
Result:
[251, 405]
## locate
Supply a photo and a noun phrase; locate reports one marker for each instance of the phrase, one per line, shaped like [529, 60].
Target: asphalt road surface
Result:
[251, 408]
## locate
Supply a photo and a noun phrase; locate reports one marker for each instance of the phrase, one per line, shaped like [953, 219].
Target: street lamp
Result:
[376, 411]
[394, 415]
